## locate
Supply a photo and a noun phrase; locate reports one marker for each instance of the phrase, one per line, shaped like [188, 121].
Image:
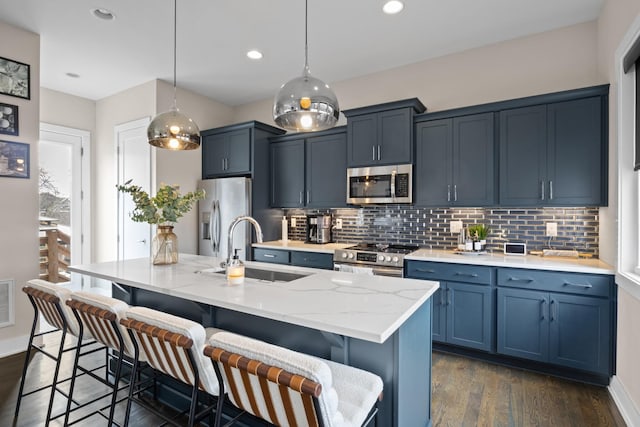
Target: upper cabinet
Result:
[554, 154]
[455, 161]
[381, 134]
[309, 170]
[232, 150]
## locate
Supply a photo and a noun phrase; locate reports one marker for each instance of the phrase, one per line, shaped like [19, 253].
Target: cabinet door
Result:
[312, 259]
[433, 163]
[439, 318]
[575, 137]
[395, 137]
[362, 140]
[213, 155]
[287, 174]
[326, 171]
[238, 160]
[580, 334]
[523, 324]
[473, 159]
[523, 156]
[469, 314]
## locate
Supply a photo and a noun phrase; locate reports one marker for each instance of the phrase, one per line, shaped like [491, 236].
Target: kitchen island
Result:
[376, 323]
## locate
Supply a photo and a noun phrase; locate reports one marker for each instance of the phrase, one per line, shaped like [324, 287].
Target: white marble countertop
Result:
[298, 245]
[576, 265]
[366, 307]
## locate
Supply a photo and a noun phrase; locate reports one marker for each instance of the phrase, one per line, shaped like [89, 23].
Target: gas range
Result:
[372, 254]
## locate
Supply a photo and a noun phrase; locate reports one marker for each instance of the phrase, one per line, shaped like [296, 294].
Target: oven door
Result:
[370, 270]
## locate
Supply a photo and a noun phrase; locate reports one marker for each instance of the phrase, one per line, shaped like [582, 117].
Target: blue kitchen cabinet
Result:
[231, 150]
[455, 161]
[309, 171]
[554, 154]
[559, 318]
[381, 134]
[298, 258]
[463, 306]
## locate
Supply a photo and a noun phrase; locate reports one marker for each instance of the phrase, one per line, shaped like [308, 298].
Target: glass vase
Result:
[164, 248]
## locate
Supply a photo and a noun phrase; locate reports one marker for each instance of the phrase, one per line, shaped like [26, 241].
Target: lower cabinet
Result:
[555, 317]
[462, 315]
[320, 260]
[463, 306]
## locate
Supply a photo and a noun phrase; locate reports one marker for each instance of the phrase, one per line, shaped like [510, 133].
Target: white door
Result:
[134, 163]
[65, 181]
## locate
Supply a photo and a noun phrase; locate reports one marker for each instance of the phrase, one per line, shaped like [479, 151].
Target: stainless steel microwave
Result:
[380, 184]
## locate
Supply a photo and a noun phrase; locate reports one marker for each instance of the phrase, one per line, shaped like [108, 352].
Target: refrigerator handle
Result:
[216, 221]
[214, 241]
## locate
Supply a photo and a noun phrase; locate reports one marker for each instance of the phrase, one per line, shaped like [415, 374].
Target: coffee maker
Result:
[318, 229]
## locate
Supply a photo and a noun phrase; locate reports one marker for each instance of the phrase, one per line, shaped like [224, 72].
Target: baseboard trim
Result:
[13, 345]
[625, 405]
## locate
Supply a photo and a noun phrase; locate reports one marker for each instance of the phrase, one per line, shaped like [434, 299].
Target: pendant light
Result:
[305, 103]
[172, 129]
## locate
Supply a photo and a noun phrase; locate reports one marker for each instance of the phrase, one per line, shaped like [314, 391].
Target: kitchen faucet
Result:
[232, 226]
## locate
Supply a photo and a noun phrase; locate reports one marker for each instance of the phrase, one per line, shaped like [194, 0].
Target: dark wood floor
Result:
[466, 392]
[469, 392]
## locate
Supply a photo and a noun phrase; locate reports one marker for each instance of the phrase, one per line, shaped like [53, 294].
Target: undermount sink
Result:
[266, 275]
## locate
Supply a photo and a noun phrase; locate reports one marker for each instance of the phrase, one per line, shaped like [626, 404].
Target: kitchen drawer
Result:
[271, 255]
[572, 283]
[451, 272]
[312, 259]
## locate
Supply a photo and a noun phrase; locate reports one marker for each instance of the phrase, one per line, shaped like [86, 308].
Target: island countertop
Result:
[366, 307]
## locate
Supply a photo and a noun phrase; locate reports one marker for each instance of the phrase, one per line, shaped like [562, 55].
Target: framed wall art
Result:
[14, 159]
[15, 78]
[8, 119]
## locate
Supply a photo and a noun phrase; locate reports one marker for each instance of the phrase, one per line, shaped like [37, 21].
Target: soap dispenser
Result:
[235, 270]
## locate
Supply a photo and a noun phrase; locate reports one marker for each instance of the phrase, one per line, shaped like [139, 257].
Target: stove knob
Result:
[394, 259]
[388, 258]
[380, 257]
[344, 255]
[350, 255]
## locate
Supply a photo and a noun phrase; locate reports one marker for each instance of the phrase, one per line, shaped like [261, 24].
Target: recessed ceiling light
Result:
[72, 75]
[102, 13]
[392, 7]
[254, 54]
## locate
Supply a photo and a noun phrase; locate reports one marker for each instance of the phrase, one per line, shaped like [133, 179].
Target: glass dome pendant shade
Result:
[306, 103]
[173, 130]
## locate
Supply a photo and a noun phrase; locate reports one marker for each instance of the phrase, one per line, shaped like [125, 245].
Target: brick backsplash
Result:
[429, 227]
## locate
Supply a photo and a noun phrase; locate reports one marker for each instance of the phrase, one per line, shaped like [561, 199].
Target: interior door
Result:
[134, 163]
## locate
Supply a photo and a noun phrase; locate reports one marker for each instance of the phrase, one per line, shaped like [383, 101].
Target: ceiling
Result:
[347, 39]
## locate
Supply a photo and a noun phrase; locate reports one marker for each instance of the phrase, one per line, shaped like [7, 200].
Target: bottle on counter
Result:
[461, 236]
[468, 243]
[285, 230]
[235, 270]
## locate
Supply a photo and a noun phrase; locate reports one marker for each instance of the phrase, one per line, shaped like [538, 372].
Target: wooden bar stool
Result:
[99, 316]
[48, 300]
[173, 346]
[287, 388]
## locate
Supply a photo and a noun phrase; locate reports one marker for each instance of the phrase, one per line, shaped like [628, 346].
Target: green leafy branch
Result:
[165, 207]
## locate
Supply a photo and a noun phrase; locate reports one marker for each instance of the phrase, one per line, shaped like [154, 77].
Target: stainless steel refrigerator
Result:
[225, 200]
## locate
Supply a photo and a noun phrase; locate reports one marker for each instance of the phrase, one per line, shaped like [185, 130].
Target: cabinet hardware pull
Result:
[378, 152]
[542, 310]
[307, 197]
[300, 198]
[578, 285]
[143, 241]
[226, 163]
[542, 188]
[550, 190]
[515, 279]
[553, 309]
[455, 192]
[421, 270]
[448, 192]
[466, 274]
[448, 296]
[442, 300]
[223, 163]
[268, 255]
[373, 152]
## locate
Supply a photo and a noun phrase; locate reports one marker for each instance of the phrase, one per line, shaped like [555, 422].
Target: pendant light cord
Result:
[175, 43]
[306, 34]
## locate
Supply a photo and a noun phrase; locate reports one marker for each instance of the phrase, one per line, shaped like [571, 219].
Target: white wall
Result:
[613, 23]
[19, 252]
[521, 67]
[184, 168]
